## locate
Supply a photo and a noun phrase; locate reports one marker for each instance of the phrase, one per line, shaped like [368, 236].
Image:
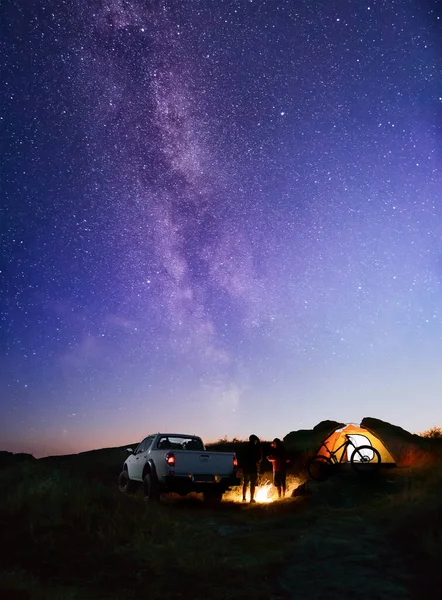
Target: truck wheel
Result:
[125, 484]
[151, 488]
[213, 496]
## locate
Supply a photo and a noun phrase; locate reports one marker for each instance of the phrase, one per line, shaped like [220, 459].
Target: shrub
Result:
[433, 433]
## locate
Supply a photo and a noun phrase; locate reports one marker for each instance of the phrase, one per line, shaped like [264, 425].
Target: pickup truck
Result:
[180, 463]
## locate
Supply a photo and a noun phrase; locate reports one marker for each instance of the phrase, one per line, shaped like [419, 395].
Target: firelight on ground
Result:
[265, 493]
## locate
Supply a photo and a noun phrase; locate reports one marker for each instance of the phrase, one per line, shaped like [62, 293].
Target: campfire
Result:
[265, 493]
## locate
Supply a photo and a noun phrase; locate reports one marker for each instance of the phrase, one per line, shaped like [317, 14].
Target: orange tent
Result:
[360, 437]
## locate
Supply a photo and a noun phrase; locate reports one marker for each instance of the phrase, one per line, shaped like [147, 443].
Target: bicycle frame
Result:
[333, 453]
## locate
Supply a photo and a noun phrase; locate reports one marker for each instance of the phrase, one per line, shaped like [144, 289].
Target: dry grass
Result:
[66, 536]
[91, 541]
[413, 519]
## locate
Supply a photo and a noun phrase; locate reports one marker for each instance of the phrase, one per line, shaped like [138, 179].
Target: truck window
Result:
[180, 443]
[148, 442]
[193, 445]
[139, 448]
[142, 447]
[164, 443]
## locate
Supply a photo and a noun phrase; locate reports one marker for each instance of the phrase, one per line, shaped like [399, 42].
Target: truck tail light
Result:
[170, 459]
[235, 461]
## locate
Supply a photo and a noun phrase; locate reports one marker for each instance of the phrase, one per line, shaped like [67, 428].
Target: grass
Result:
[67, 536]
[89, 539]
[413, 519]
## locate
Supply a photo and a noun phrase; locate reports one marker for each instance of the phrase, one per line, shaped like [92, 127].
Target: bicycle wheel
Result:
[365, 459]
[319, 467]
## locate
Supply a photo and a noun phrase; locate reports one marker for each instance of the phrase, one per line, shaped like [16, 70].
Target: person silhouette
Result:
[279, 459]
[250, 459]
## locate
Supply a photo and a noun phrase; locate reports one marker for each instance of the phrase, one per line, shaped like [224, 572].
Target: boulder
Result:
[309, 440]
[300, 491]
[332, 492]
[407, 449]
[306, 442]
[327, 427]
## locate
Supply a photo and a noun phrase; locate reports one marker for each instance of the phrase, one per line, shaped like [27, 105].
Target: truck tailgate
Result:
[190, 462]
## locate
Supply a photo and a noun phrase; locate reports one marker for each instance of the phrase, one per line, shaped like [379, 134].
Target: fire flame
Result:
[264, 493]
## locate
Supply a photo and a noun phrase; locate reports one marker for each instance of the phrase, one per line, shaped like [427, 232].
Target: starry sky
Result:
[218, 217]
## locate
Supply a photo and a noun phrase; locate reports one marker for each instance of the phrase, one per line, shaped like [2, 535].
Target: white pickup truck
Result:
[177, 462]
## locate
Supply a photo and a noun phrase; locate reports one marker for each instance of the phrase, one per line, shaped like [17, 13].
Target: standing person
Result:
[279, 459]
[250, 457]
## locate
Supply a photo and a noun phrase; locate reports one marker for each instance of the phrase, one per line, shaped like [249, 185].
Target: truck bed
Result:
[193, 462]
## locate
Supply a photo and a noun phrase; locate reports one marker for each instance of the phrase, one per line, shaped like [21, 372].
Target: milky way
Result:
[218, 217]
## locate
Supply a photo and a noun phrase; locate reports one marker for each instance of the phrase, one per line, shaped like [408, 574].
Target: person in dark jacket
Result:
[279, 459]
[250, 459]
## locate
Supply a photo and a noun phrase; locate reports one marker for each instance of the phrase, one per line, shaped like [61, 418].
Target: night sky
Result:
[218, 217]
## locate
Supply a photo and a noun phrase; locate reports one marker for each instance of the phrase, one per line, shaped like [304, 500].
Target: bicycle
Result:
[364, 459]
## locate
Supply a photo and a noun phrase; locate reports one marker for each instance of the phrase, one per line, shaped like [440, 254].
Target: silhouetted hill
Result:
[9, 459]
[103, 463]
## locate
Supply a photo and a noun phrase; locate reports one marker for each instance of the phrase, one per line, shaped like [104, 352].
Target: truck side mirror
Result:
[129, 450]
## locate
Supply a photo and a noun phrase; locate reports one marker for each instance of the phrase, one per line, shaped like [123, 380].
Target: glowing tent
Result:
[360, 437]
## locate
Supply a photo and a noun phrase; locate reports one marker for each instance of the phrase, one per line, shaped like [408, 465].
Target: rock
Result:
[319, 491]
[305, 442]
[327, 427]
[406, 448]
[300, 491]
[309, 440]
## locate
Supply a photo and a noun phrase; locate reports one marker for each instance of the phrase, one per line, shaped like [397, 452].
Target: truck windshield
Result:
[180, 443]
